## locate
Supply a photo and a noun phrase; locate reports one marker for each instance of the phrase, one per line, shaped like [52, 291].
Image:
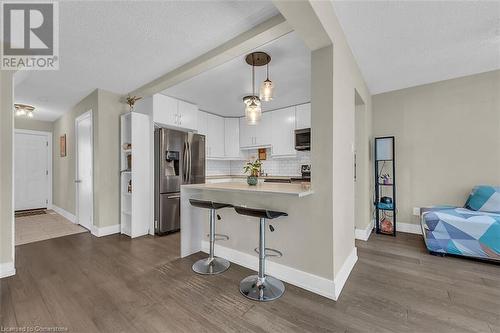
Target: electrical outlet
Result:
[416, 211]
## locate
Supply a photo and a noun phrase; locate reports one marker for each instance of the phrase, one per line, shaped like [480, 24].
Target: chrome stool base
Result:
[209, 266]
[266, 289]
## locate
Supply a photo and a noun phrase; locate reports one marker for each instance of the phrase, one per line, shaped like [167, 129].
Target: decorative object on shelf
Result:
[129, 162]
[62, 145]
[127, 146]
[385, 186]
[253, 168]
[129, 186]
[253, 110]
[262, 154]
[131, 101]
[23, 110]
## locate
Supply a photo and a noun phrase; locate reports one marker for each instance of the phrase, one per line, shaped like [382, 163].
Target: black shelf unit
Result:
[385, 164]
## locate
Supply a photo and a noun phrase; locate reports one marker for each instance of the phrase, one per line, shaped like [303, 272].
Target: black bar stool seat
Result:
[262, 287]
[260, 213]
[208, 204]
[212, 264]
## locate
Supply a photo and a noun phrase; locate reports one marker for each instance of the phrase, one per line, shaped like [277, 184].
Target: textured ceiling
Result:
[121, 45]
[400, 44]
[221, 89]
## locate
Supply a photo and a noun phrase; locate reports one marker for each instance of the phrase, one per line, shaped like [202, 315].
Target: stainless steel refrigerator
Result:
[179, 159]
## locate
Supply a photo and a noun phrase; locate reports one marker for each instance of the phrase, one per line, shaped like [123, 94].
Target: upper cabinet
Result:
[173, 112]
[215, 136]
[303, 116]
[283, 132]
[187, 114]
[232, 138]
[256, 136]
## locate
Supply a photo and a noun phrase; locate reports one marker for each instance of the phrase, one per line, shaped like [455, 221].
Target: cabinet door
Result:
[188, 115]
[264, 129]
[215, 136]
[283, 134]
[232, 137]
[303, 116]
[247, 134]
[165, 110]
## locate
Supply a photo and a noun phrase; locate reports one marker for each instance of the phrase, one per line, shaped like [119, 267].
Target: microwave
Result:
[303, 139]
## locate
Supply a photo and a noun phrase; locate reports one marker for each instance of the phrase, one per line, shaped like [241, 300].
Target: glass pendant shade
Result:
[253, 112]
[266, 90]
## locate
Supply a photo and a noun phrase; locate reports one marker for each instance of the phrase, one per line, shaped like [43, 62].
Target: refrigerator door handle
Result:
[184, 163]
[189, 162]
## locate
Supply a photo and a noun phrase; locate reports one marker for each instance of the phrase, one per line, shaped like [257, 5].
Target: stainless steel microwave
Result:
[303, 139]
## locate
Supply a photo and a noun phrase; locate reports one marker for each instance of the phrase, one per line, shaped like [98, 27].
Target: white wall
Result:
[33, 124]
[6, 183]
[447, 139]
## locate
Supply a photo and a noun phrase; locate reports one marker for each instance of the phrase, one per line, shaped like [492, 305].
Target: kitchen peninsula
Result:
[303, 265]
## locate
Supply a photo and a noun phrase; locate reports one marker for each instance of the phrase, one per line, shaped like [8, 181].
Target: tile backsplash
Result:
[271, 166]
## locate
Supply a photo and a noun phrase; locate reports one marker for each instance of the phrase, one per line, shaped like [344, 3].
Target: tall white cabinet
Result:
[135, 175]
[283, 133]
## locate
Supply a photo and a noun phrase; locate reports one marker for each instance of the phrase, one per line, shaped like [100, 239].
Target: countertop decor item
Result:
[131, 101]
[253, 169]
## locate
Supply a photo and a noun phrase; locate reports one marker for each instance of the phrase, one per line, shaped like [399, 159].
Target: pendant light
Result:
[253, 111]
[266, 89]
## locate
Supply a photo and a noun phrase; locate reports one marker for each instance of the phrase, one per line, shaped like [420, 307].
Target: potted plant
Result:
[131, 101]
[253, 168]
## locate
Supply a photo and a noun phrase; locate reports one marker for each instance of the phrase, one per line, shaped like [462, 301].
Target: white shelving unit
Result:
[135, 212]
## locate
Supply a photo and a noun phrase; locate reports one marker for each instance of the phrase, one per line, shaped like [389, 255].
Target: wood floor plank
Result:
[115, 284]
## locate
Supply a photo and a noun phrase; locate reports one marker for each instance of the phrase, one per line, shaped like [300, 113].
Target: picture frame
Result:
[62, 145]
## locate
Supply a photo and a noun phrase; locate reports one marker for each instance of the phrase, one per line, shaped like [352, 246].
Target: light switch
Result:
[416, 211]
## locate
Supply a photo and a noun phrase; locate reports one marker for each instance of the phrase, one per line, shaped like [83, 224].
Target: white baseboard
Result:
[105, 231]
[313, 283]
[344, 272]
[409, 228]
[7, 269]
[364, 234]
[67, 215]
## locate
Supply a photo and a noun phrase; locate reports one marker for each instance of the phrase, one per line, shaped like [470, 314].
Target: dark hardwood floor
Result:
[113, 284]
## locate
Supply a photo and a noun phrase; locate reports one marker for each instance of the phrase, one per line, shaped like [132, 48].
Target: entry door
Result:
[31, 170]
[84, 186]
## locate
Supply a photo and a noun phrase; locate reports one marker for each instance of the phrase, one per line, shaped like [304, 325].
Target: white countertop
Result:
[272, 188]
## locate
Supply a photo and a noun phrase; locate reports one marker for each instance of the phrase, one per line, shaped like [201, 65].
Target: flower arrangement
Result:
[253, 168]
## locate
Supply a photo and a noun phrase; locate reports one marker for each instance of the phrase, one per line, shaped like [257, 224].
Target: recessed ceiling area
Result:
[120, 46]
[400, 44]
[221, 89]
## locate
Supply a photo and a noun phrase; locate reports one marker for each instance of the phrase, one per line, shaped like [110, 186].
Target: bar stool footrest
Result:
[220, 237]
[270, 252]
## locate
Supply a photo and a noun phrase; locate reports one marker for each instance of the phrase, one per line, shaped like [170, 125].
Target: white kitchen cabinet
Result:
[303, 116]
[187, 115]
[232, 138]
[165, 110]
[256, 136]
[172, 112]
[202, 122]
[283, 133]
[215, 136]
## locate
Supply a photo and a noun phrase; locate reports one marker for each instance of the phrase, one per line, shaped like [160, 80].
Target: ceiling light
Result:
[24, 110]
[253, 110]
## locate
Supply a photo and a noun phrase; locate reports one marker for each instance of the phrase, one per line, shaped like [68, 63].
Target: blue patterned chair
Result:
[472, 231]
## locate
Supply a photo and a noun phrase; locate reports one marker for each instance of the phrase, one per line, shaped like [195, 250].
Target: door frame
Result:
[85, 115]
[48, 135]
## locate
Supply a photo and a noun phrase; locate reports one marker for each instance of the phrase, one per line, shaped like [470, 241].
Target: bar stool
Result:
[211, 265]
[262, 287]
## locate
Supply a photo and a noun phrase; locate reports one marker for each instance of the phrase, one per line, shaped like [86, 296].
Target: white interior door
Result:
[84, 177]
[31, 163]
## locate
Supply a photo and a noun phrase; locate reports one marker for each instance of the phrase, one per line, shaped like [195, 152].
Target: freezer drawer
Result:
[170, 214]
